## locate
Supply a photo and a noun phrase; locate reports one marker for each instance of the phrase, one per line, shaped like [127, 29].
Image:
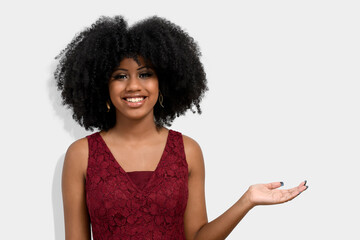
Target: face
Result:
[134, 89]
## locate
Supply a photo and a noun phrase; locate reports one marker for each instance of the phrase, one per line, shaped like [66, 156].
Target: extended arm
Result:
[196, 224]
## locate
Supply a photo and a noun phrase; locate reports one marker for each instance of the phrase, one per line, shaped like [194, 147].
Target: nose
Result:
[133, 84]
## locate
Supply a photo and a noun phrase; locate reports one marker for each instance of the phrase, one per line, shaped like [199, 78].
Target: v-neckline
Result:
[126, 173]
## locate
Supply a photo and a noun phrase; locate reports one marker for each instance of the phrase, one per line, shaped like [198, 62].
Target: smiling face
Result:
[134, 89]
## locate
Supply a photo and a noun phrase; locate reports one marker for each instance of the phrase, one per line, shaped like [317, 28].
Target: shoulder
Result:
[77, 155]
[193, 153]
[78, 148]
[191, 146]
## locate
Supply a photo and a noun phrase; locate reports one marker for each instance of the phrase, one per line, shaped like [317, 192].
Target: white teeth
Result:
[135, 99]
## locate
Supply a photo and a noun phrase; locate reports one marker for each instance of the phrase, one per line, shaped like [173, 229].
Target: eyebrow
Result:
[123, 69]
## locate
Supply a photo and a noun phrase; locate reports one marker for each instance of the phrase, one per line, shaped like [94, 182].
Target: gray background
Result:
[283, 105]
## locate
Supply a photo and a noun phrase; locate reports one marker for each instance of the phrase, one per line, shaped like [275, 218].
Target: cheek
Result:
[156, 91]
[115, 87]
[114, 90]
[154, 85]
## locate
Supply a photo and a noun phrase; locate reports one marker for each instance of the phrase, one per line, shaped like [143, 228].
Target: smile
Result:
[134, 100]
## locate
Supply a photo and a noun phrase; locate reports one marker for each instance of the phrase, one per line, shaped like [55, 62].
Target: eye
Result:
[145, 75]
[119, 76]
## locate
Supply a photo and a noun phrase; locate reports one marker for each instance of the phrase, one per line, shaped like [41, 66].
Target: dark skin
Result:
[133, 92]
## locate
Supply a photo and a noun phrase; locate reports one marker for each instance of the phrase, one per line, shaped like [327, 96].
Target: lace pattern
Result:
[118, 209]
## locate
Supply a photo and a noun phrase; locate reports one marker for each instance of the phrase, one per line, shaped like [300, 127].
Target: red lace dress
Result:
[120, 209]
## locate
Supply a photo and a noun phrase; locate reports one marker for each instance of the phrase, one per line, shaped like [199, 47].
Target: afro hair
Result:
[86, 64]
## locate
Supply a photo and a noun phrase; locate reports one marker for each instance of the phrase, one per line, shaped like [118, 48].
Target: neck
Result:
[134, 130]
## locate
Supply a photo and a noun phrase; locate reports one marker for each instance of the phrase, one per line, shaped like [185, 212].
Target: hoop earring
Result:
[108, 106]
[161, 99]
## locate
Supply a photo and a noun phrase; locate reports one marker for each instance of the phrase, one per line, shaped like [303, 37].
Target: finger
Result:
[302, 187]
[303, 183]
[274, 185]
[290, 194]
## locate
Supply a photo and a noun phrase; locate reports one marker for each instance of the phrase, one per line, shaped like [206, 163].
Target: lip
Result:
[135, 104]
[133, 95]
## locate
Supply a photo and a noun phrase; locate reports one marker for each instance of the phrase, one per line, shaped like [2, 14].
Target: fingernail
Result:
[305, 182]
[282, 183]
[303, 190]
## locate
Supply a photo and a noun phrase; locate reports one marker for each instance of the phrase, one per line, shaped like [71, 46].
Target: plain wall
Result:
[283, 105]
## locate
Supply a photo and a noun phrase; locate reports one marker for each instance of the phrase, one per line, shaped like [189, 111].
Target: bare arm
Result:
[77, 223]
[195, 219]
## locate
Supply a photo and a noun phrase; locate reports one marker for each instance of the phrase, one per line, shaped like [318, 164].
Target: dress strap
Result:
[177, 147]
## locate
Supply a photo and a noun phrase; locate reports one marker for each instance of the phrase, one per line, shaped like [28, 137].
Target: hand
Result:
[267, 194]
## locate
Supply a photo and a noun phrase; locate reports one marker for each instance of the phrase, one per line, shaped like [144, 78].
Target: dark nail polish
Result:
[305, 182]
[282, 183]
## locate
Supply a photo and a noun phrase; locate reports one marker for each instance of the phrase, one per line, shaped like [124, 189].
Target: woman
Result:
[136, 179]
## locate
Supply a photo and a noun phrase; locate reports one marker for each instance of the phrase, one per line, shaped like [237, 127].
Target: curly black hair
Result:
[86, 64]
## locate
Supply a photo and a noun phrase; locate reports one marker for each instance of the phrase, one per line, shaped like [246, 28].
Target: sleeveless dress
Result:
[120, 209]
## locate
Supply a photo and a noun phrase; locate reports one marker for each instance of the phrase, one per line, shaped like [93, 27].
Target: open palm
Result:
[267, 194]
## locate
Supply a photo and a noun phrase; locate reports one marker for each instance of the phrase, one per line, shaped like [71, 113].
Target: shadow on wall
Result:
[57, 203]
[76, 132]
